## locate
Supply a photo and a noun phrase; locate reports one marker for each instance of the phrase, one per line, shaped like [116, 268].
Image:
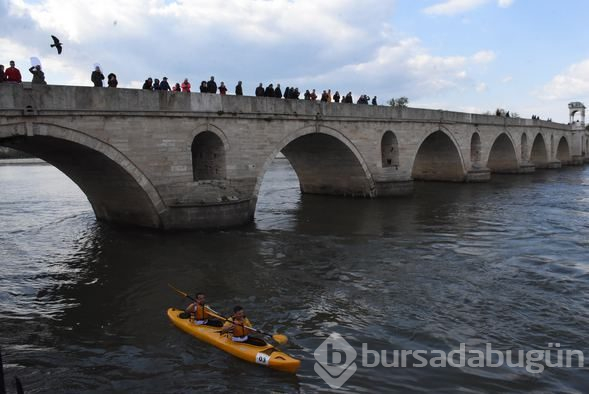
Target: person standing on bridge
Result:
[186, 86]
[336, 97]
[112, 81]
[164, 85]
[2, 75]
[222, 89]
[148, 84]
[97, 77]
[212, 85]
[260, 90]
[13, 74]
[278, 91]
[239, 89]
[38, 75]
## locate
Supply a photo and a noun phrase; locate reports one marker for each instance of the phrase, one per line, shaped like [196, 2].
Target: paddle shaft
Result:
[241, 325]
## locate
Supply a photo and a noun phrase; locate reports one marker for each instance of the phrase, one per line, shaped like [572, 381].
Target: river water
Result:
[82, 304]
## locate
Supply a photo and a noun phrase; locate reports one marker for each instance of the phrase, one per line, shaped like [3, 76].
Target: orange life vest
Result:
[238, 327]
[199, 312]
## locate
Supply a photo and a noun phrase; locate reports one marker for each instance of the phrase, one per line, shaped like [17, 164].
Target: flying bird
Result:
[56, 44]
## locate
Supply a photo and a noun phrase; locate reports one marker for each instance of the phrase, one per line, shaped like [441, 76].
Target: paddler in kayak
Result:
[237, 326]
[200, 312]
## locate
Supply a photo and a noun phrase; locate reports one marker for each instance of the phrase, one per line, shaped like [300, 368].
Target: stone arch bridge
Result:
[186, 161]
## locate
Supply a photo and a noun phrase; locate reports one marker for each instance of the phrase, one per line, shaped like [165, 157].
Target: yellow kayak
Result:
[266, 355]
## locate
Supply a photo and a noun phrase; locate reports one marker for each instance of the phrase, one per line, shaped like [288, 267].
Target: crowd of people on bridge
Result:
[13, 75]
[290, 93]
[536, 117]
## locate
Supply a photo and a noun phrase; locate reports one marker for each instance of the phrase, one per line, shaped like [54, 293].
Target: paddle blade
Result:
[179, 291]
[280, 338]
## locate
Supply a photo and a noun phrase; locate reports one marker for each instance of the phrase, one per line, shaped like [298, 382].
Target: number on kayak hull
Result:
[262, 358]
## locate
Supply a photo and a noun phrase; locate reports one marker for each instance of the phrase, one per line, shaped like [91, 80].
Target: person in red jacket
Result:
[13, 74]
[186, 85]
[222, 89]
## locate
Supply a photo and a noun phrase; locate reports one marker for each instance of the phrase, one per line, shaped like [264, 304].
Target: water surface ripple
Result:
[82, 306]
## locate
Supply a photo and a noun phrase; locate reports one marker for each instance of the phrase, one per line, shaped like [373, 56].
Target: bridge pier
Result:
[477, 175]
[576, 160]
[526, 168]
[550, 165]
[393, 188]
[209, 216]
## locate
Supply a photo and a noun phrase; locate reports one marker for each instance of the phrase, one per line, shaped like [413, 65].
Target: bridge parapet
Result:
[47, 99]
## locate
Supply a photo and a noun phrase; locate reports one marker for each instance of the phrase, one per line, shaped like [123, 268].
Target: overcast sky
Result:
[527, 56]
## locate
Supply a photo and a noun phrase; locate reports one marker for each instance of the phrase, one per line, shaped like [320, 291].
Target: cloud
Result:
[256, 21]
[453, 7]
[345, 45]
[481, 87]
[484, 57]
[507, 79]
[404, 68]
[570, 84]
[270, 39]
[13, 50]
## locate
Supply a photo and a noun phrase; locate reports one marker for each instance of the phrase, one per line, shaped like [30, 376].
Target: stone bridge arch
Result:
[502, 157]
[539, 154]
[208, 157]
[325, 161]
[389, 150]
[563, 152]
[117, 190]
[438, 158]
[475, 150]
[209, 148]
[524, 153]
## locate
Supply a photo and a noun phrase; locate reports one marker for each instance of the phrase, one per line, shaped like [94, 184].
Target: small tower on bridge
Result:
[574, 108]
